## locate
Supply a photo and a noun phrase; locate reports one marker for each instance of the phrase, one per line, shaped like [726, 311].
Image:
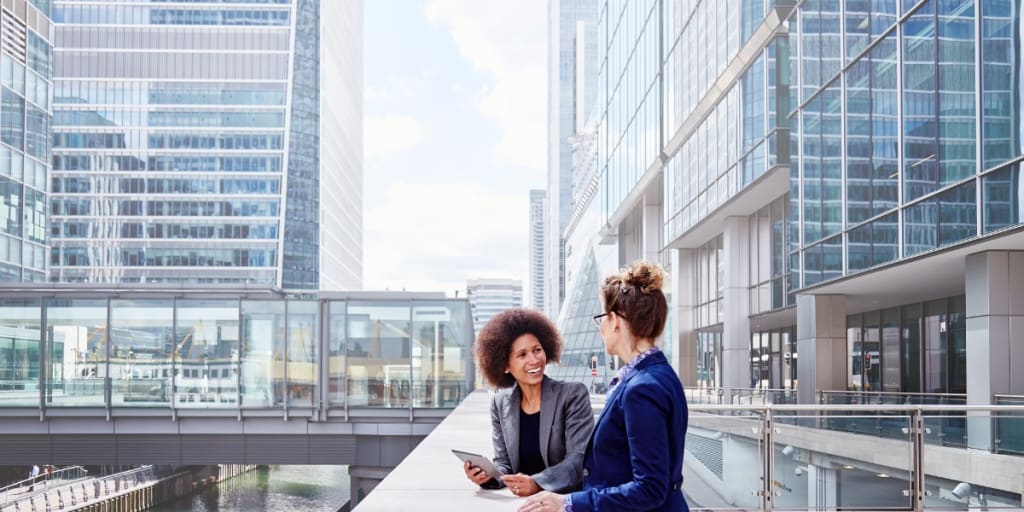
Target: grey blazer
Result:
[566, 422]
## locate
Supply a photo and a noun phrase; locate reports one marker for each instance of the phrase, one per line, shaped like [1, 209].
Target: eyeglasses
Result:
[599, 318]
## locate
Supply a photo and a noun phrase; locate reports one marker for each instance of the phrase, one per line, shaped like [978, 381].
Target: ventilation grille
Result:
[707, 450]
[12, 36]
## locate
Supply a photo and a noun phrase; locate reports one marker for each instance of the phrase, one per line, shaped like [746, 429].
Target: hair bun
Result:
[646, 276]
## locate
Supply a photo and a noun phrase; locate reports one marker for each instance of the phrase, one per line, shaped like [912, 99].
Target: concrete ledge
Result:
[431, 478]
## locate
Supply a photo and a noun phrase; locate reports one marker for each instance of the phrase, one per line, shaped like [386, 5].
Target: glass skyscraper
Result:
[537, 244]
[836, 182]
[26, 74]
[187, 142]
[572, 84]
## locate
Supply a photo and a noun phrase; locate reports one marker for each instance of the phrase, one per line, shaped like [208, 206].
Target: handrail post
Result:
[767, 492]
[917, 432]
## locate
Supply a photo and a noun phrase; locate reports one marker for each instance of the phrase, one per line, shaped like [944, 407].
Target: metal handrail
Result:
[43, 478]
[122, 481]
[825, 408]
[891, 393]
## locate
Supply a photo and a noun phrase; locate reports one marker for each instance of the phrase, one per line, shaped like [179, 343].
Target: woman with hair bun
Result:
[540, 426]
[634, 461]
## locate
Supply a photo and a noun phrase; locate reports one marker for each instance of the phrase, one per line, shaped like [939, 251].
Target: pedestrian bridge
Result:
[215, 375]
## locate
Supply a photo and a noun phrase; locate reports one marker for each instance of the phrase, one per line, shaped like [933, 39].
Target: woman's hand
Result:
[520, 484]
[475, 474]
[544, 502]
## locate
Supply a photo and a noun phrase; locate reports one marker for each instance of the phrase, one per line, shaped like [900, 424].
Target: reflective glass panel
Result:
[263, 353]
[77, 341]
[20, 352]
[206, 353]
[336, 346]
[379, 356]
[439, 353]
[140, 352]
[303, 336]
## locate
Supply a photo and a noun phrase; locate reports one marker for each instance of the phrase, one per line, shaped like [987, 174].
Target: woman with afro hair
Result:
[540, 426]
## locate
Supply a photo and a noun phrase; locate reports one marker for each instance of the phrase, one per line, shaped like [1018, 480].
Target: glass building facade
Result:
[218, 350]
[801, 149]
[186, 142]
[26, 76]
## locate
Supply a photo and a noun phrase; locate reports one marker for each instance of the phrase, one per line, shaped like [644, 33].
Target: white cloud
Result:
[390, 134]
[434, 237]
[507, 40]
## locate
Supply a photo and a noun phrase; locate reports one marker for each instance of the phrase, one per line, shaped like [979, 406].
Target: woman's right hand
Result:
[475, 474]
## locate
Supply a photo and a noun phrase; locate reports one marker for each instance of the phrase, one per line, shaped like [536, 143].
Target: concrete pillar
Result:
[822, 488]
[651, 228]
[735, 369]
[821, 344]
[994, 283]
[364, 479]
[683, 298]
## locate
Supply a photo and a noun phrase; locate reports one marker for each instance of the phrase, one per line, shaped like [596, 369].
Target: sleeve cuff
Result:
[567, 503]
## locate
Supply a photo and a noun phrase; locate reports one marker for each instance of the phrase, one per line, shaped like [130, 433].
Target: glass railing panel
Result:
[946, 429]
[1009, 427]
[976, 478]
[19, 352]
[838, 462]
[722, 466]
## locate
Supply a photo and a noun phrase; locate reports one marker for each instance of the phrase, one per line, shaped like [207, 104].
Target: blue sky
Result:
[455, 137]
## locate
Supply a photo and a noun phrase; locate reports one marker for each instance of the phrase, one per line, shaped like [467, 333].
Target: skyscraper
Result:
[572, 74]
[538, 205]
[192, 143]
[488, 297]
[26, 77]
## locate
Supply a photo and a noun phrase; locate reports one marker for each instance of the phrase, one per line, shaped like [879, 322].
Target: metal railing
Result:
[763, 396]
[44, 480]
[807, 457]
[83, 492]
[948, 428]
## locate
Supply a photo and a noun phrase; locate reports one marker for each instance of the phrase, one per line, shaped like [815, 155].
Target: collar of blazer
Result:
[651, 360]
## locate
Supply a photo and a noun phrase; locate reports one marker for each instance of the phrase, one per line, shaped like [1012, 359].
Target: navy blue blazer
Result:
[635, 458]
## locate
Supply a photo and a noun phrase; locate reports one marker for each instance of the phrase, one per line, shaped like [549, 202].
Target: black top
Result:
[530, 460]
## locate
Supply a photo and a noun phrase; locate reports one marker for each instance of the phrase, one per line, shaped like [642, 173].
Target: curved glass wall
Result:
[206, 351]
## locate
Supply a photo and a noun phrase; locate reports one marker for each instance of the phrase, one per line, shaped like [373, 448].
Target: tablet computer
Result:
[479, 461]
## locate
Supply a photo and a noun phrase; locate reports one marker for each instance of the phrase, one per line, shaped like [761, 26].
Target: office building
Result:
[537, 246]
[192, 143]
[572, 81]
[836, 183]
[488, 297]
[26, 74]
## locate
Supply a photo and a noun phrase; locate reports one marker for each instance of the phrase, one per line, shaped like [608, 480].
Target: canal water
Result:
[292, 488]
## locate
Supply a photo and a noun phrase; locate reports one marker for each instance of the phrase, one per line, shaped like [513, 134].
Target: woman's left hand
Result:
[520, 484]
[544, 502]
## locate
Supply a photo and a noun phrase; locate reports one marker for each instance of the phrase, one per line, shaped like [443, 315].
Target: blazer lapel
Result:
[547, 416]
[511, 414]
